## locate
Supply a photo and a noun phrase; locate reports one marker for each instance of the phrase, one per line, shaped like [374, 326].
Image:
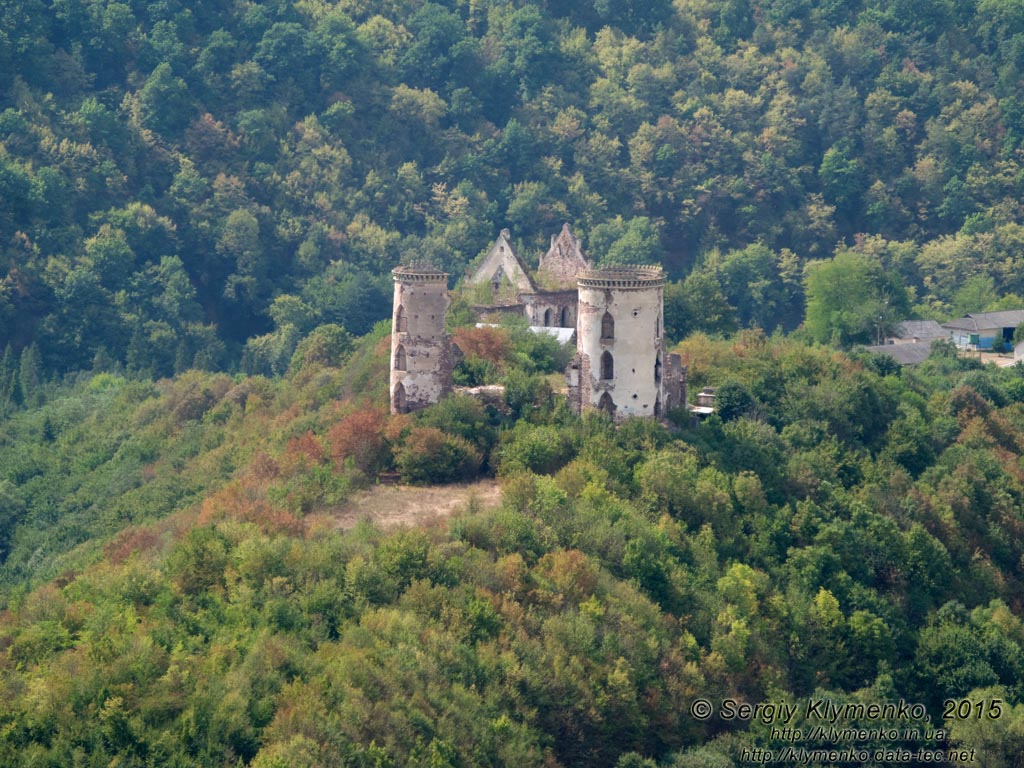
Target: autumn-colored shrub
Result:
[491, 344]
[360, 437]
[263, 467]
[966, 403]
[302, 452]
[194, 393]
[307, 445]
[246, 502]
[397, 427]
[130, 540]
[567, 574]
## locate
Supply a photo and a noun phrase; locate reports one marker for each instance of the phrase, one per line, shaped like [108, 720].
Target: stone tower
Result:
[421, 351]
[620, 364]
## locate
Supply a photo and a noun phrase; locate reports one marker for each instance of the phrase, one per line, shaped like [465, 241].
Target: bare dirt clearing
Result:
[391, 506]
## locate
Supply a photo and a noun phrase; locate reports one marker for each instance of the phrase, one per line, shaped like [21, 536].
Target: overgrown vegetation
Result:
[843, 530]
[200, 207]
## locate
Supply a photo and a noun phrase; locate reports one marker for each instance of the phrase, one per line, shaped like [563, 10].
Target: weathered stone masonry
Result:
[421, 350]
[619, 339]
[552, 302]
[620, 366]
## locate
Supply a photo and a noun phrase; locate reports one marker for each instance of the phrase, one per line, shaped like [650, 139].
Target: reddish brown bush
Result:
[130, 540]
[305, 449]
[491, 344]
[236, 502]
[263, 467]
[360, 437]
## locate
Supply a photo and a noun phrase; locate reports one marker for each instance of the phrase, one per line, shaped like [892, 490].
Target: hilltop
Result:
[201, 209]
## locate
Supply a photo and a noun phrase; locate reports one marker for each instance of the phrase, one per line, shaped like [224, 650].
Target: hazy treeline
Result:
[201, 186]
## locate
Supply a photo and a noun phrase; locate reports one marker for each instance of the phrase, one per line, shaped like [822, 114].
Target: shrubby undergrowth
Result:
[851, 531]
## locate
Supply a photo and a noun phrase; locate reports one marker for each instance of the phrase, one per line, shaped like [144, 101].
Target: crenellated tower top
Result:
[418, 273]
[623, 276]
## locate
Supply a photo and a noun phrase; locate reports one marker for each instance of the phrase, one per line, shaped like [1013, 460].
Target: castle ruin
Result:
[548, 301]
[421, 349]
[620, 366]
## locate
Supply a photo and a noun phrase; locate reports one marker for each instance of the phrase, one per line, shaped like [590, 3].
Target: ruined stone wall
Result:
[489, 312]
[555, 309]
[620, 341]
[502, 265]
[421, 351]
[675, 384]
[564, 260]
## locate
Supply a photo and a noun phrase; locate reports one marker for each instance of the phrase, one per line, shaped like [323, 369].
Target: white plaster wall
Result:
[638, 315]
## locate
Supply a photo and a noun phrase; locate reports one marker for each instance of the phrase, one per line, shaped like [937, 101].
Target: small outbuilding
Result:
[984, 330]
[915, 331]
[907, 353]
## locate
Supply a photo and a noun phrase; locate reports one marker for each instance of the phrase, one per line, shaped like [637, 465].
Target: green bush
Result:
[429, 455]
[537, 448]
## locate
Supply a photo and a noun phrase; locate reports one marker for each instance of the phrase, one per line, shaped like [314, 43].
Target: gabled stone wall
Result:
[564, 260]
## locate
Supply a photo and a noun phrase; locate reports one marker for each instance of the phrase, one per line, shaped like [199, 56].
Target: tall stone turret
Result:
[620, 364]
[421, 350]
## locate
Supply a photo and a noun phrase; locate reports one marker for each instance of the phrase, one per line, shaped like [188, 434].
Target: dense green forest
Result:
[199, 186]
[199, 208]
[842, 530]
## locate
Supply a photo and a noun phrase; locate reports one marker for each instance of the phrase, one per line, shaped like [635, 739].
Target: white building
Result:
[983, 330]
[619, 367]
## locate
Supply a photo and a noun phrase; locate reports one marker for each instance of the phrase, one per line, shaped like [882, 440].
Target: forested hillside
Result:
[842, 532]
[199, 208]
[199, 185]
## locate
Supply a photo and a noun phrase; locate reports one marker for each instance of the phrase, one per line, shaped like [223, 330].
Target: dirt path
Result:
[391, 506]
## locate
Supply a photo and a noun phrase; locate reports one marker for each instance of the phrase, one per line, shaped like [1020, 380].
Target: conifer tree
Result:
[30, 376]
[8, 382]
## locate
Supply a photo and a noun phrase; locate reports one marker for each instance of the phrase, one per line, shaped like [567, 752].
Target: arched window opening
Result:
[606, 404]
[657, 371]
[563, 319]
[401, 321]
[400, 358]
[401, 406]
[657, 327]
[657, 406]
[607, 366]
[547, 317]
[607, 327]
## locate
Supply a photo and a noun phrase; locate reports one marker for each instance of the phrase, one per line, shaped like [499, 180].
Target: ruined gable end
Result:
[502, 266]
[563, 261]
